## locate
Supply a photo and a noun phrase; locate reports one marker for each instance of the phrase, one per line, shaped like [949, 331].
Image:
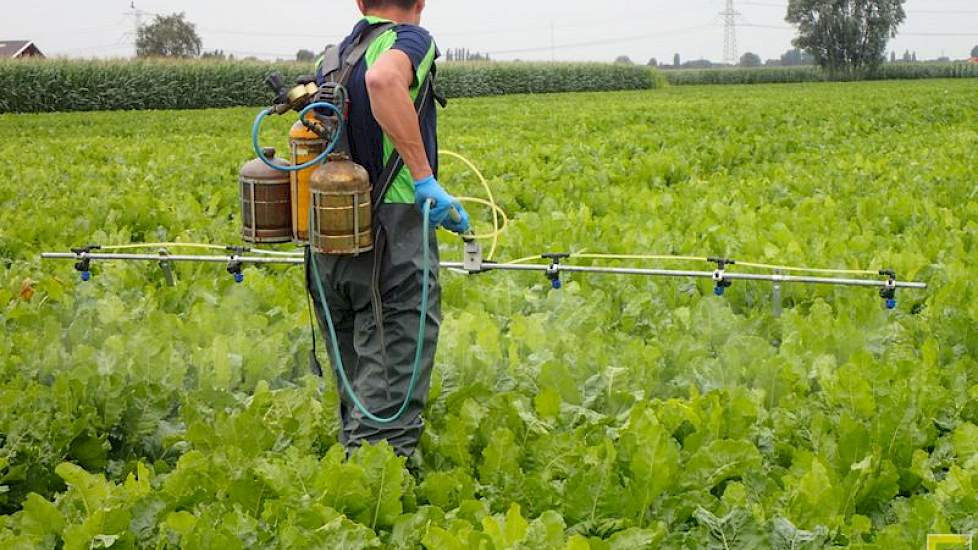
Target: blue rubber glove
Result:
[428, 189]
[462, 225]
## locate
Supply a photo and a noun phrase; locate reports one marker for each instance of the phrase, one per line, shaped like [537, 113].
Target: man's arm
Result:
[388, 83]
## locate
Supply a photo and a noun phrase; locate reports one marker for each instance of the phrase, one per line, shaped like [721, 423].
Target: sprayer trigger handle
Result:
[454, 215]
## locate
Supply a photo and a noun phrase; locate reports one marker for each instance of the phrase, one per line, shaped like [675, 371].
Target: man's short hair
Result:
[403, 4]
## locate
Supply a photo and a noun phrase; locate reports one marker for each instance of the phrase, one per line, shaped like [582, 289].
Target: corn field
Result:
[61, 85]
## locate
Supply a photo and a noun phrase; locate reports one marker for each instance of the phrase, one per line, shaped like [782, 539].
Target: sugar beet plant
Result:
[613, 414]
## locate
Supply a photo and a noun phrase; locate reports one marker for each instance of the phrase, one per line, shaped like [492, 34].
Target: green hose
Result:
[419, 350]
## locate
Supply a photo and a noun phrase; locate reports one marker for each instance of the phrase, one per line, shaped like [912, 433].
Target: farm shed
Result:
[15, 49]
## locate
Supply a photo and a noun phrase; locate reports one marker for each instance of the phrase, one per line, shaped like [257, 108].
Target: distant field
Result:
[770, 75]
[617, 413]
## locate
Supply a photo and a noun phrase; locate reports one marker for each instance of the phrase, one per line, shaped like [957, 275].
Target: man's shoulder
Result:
[415, 32]
[416, 41]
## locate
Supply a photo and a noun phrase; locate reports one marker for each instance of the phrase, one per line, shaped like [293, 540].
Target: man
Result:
[374, 298]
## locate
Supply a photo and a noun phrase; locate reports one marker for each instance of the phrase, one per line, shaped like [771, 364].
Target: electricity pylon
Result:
[730, 33]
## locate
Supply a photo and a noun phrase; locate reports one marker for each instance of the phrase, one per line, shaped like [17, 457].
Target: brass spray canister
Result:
[342, 221]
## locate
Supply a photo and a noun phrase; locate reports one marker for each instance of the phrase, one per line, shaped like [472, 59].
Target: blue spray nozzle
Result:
[86, 276]
[719, 290]
[238, 277]
[556, 284]
[891, 303]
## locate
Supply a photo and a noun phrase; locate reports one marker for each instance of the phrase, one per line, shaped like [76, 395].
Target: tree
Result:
[623, 60]
[907, 58]
[974, 52]
[653, 62]
[750, 60]
[846, 37]
[216, 54]
[796, 56]
[305, 56]
[913, 57]
[676, 61]
[168, 36]
[892, 56]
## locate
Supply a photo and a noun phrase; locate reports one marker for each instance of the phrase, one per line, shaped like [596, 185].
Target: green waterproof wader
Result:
[375, 303]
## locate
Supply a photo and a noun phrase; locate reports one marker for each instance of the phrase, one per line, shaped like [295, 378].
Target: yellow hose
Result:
[640, 257]
[740, 264]
[524, 260]
[164, 245]
[496, 230]
[809, 269]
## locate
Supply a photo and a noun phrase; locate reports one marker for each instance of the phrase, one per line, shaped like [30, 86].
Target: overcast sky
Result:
[509, 29]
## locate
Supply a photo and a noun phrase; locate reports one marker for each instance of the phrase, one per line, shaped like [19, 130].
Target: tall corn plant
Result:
[63, 85]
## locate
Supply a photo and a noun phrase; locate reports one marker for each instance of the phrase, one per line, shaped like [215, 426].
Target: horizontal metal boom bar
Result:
[773, 278]
[489, 266]
[172, 258]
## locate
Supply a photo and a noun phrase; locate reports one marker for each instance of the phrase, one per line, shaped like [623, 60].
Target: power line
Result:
[967, 34]
[909, 12]
[260, 33]
[597, 42]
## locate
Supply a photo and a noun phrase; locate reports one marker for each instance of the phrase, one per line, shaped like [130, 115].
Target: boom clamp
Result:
[888, 293]
[234, 268]
[719, 276]
[84, 263]
[553, 270]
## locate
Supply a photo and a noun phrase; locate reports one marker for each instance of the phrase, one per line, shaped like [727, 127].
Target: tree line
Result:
[845, 37]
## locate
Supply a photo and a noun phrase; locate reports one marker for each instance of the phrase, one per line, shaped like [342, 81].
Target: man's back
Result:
[386, 331]
[368, 144]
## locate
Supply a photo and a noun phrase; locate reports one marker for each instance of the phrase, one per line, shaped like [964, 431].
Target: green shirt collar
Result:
[373, 19]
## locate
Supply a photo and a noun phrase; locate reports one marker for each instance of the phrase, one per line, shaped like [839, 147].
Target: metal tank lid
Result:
[257, 170]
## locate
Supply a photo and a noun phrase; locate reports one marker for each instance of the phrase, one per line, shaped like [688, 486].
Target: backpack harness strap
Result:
[337, 71]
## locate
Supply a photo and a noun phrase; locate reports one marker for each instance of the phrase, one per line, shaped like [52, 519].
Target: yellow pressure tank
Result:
[305, 146]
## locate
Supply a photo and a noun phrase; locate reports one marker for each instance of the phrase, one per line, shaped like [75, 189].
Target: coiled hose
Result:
[256, 130]
[422, 324]
[331, 328]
